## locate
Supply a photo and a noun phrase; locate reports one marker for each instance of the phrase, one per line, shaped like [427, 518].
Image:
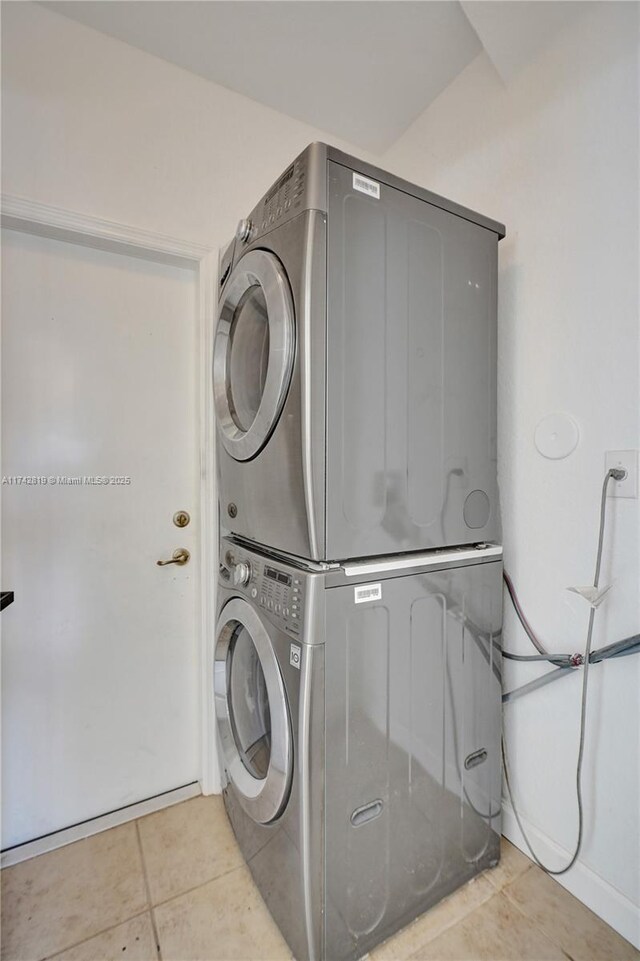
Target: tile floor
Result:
[173, 886]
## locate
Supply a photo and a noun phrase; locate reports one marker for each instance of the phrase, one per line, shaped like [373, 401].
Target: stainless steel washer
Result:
[358, 711]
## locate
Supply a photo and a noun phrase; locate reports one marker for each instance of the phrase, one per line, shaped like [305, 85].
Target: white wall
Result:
[554, 155]
[97, 126]
[94, 125]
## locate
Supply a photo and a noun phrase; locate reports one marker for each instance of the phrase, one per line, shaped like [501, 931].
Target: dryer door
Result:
[252, 712]
[253, 353]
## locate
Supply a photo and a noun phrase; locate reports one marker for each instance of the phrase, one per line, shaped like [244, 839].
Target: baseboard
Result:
[598, 895]
[31, 849]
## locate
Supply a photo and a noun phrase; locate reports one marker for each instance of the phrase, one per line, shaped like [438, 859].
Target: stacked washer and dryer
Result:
[357, 657]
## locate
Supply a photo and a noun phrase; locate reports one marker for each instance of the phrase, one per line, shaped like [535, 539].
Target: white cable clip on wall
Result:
[594, 596]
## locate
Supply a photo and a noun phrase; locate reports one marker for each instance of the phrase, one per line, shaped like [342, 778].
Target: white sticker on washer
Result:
[366, 186]
[295, 654]
[367, 592]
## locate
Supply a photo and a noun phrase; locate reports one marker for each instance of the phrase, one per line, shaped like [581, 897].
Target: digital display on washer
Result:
[277, 576]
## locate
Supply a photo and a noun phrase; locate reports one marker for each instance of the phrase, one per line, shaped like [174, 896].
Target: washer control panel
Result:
[281, 592]
[283, 201]
[276, 590]
[286, 194]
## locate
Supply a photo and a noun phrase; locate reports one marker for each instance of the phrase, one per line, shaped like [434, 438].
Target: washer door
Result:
[252, 712]
[253, 353]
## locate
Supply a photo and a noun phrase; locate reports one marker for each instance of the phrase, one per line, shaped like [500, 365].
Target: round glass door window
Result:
[253, 353]
[248, 357]
[252, 712]
[249, 704]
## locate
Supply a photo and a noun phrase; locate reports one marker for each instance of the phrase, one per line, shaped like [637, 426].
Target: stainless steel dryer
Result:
[355, 366]
[358, 711]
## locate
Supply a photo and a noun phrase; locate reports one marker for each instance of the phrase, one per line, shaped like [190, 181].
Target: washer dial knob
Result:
[241, 574]
[244, 231]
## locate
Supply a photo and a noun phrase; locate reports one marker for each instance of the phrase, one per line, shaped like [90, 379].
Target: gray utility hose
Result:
[583, 711]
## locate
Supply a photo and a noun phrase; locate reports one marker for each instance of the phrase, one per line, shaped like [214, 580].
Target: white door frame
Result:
[56, 223]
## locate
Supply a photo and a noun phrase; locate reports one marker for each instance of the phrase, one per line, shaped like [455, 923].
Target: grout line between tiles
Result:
[496, 894]
[225, 874]
[148, 890]
[567, 955]
[111, 927]
[509, 881]
[446, 927]
[532, 920]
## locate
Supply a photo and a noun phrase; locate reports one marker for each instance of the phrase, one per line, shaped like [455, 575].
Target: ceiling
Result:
[512, 33]
[362, 70]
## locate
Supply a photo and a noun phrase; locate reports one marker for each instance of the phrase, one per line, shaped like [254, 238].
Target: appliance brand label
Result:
[367, 592]
[295, 654]
[366, 186]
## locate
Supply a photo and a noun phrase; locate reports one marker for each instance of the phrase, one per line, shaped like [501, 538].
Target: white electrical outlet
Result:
[627, 460]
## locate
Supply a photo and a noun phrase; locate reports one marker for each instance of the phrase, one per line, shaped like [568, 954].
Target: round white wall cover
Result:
[556, 435]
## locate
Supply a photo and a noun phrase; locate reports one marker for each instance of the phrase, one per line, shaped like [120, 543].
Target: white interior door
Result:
[100, 679]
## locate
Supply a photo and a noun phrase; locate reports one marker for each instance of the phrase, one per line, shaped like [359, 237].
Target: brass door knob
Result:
[180, 557]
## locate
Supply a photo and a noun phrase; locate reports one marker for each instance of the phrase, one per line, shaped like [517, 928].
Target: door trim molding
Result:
[208, 280]
[32, 217]
[58, 223]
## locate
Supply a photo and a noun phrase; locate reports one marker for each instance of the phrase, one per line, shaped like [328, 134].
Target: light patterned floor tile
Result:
[435, 921]
[132, 941]
[87, 902]
[186, 845]
[58, 899]
[225, 920]
[512, 864]
[496, 931]
[583, 935]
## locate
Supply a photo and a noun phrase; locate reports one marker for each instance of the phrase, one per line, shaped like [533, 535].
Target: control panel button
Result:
[254, 591]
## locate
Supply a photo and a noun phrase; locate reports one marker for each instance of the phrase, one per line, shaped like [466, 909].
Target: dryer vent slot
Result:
[367, 813]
